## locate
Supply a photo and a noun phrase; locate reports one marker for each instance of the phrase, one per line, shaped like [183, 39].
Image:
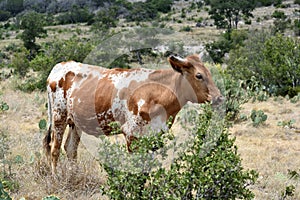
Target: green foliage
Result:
[272, 60]
[14, 6]
[258, 117]
[32, 24]
[289, 191]
[279, 14]
[296, 27]
[42, 124]
[229, 40]
[281, 24]
[4, 15]
[296, 98]
[105, 19]
[226, 14]
[148, 10]
[200, 172]
[62, 50]
[283, 70]
[186, 29]
[3, 106]
[6, 175]
[235, 95]
[286, 123]
[3, 194]
[20, 62]
[261, 3]
[75, 15]
[297, 2]
[51, 197]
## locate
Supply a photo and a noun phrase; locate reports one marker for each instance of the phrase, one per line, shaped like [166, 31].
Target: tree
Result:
[106, 19]
[14, 6]
[227, 13]
[33, 25]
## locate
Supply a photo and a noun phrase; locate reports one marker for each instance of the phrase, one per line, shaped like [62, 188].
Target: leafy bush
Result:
[6, 175]
[227, 41]
[272, 60]
[149, 10]
[279, 14]
[63, 50]
[258, 117]
[20, 62]
[235, 95]
[105, 19]
[3, 194]
[75, 15]
[187, 29]
[261, 3]
[202, 171]
[296, 27]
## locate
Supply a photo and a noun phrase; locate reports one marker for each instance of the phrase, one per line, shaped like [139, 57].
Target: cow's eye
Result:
[199, 76]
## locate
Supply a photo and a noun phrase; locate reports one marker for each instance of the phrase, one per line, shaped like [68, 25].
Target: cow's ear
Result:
[178, 63]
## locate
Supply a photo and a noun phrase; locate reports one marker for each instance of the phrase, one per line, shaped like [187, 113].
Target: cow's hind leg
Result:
[71, 144]
[56, 140]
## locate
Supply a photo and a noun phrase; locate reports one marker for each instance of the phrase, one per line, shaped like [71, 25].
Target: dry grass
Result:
[270, 149]
[80, 181]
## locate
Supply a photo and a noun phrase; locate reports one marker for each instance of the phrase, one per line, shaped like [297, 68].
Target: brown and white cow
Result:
[88, 98]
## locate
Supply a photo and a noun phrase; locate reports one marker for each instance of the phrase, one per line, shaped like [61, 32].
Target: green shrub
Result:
[258, 117]
[209, 168]
[51, 197]
[63, 50]
[20, 62]
[3, 194]
[186, 29]
[236, 95]
[296, 27]
[6, 175]
[75, 15]
[297, 2]
[279, 14]
[227, 41]
[272, 60]
[286, 123]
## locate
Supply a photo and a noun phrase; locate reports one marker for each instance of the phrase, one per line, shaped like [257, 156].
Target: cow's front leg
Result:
[72, 142]
[132, 130]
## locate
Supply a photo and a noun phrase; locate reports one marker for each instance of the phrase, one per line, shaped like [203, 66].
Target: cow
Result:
[88, 98]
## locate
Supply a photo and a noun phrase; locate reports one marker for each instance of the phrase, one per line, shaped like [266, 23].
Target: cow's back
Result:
[71, 88]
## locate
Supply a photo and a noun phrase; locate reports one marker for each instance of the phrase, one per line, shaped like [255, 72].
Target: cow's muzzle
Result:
[218, 100]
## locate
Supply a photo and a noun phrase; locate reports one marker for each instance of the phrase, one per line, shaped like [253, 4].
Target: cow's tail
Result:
[47, 138]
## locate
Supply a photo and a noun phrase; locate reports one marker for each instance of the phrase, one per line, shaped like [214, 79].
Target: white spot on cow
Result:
[180, 59]
[123, 79]
[140, 103]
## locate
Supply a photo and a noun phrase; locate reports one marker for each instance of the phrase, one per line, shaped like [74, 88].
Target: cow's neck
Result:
[179, 86]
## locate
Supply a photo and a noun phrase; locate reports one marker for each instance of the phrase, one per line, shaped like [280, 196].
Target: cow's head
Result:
[198, 76]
